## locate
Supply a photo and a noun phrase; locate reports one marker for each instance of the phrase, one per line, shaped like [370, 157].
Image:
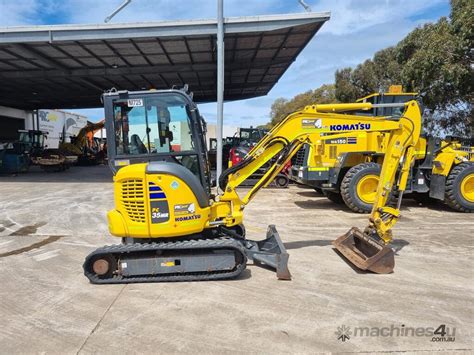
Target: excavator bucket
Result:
[364, 252]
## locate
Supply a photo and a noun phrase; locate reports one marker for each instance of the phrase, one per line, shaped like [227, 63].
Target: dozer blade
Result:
[364, 252]
[270, 252]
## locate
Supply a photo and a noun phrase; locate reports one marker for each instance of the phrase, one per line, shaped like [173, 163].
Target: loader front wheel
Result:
[359, 187]
[460, 188]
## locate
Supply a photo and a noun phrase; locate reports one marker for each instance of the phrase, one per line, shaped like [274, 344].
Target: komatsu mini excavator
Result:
[174, 229]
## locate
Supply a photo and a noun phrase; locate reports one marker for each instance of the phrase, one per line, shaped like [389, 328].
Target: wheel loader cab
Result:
[386, 98]
[149, 126]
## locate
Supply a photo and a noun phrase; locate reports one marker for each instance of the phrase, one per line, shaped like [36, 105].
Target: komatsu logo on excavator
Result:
[349, 127]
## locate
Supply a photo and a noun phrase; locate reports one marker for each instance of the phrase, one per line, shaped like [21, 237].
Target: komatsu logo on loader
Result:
[349, 127]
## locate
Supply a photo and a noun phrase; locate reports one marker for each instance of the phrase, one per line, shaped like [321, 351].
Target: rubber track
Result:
[450, 198]
[218, 243]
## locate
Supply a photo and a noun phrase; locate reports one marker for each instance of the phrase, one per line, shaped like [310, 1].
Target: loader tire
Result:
[459, 193]
[282, 181]
[359, 185]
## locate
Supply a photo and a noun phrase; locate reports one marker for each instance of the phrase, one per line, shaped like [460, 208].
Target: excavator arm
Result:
[313, 125]
[369, 250]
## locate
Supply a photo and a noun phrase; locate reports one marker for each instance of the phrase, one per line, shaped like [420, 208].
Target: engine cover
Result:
[157, 200]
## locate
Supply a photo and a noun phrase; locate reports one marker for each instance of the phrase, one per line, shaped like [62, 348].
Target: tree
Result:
[346, 91]
[437, 63]
[433, 60]
[282, 107]
[373, 75]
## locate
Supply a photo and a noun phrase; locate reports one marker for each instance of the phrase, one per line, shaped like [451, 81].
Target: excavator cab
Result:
[148, 126]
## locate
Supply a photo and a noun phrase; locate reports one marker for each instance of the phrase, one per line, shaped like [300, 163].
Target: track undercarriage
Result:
[200, 259]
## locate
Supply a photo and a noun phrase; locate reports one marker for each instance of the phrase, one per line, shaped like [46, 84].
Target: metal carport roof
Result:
[71, 65]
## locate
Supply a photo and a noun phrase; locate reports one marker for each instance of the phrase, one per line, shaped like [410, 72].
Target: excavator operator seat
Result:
[136, 145]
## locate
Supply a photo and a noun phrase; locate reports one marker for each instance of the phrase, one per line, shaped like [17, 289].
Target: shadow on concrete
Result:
[431, 204]
[246, 274]
[307, 243]
[322, 204]
[76, 174]
[260, 266]
[398, 244]
[309, 193]
[352, 266]
[407, 205]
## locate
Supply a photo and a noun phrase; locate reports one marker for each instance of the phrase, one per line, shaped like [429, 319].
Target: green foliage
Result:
[282, 107]
[435, 60]
[434, 65]
[374, 75]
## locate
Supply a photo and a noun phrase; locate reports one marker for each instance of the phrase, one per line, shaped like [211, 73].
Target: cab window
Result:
[152, 125]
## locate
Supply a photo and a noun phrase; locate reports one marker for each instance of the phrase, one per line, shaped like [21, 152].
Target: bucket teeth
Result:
[364, 252]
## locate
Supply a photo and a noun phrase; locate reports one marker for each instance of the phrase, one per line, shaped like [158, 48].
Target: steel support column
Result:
[220, 86]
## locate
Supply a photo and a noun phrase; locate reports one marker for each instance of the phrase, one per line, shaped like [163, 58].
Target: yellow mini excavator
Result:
[174, 229]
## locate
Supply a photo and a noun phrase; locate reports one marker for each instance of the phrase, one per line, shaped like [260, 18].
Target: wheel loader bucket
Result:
[364, 252]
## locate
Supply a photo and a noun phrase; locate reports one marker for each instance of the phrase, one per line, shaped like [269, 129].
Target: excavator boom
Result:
[367, 250]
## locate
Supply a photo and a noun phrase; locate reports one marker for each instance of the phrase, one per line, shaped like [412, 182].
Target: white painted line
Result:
[5, 243]
[78, 244]
[47, 255]
[35, 251]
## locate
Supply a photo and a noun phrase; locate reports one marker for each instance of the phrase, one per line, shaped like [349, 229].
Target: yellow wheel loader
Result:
[347, 171]
[174, 229]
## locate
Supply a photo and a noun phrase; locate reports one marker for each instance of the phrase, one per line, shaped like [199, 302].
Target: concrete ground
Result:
[50, 222]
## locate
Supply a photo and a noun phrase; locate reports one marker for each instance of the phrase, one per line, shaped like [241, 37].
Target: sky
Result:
[357, 29]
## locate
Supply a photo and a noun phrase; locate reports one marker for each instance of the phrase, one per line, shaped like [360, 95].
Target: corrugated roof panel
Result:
[124, 48]
[71, 49]
[149, 46]
[158, 59]
[99, 49]
[179, 58]
[174, 46]
[202, 57]
[266, 53]
[244, 54]
[70, 66]
[69, 63]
